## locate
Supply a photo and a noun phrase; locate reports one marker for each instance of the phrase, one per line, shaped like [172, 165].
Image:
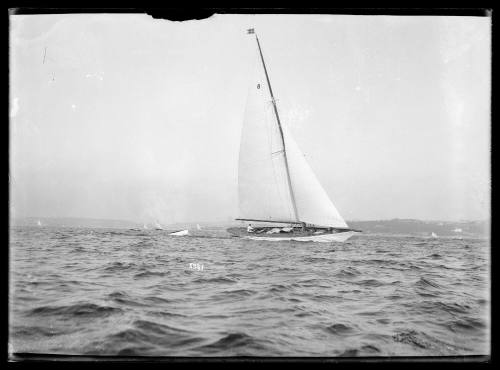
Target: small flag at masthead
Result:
[250, 30]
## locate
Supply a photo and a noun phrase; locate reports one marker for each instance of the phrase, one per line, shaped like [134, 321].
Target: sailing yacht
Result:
[275, 183]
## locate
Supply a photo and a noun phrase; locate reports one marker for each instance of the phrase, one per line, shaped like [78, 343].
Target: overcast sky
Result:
[128, 117]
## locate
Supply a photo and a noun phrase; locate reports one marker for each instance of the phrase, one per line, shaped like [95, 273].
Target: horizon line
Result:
[234, 220]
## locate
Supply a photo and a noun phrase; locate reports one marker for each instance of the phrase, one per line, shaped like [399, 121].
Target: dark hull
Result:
[262, 232]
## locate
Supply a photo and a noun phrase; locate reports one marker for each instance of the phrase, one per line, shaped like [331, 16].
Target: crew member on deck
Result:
[249, 228]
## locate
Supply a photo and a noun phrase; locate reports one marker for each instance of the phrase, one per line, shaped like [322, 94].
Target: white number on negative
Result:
[196, 266]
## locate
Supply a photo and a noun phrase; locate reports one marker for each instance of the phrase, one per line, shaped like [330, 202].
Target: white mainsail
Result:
[262, 180]
[264, 191]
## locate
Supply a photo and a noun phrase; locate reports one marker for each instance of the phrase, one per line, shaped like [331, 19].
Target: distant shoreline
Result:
[393, 227]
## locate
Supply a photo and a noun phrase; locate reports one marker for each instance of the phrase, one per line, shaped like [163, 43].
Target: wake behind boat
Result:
[275, 183]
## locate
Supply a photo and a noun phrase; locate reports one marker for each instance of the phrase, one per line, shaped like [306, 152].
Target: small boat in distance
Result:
[39, 223]
[158, 226]
[180, 233]
[433, 235]
[275, 183]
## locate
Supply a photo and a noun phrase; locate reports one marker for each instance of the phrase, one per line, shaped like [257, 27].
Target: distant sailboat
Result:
[458, 230]
[198, 226]
[158, 226]
[275, 183]
[433, 235]
[39, 223]
[145, 227]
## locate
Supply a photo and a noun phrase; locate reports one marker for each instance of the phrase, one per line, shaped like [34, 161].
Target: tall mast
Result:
[292, 196]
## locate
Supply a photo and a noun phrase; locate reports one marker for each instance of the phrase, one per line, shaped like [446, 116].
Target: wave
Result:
[123, 299]
[143, 337]
[371, 283]
[370, 313]
[428, 294]
[340, 329]
[58, 236]
[36, 331]
[303, 314]
[420, 243]
[232, 341]
[394, 297]
[164, 313]
[129, 351]
[348, 272]
[384, 321]
[141, 244]
[315, 259]
[349, 353]
[466, 324]
[155, 299]
[277, 288]
[115, 233]
[307, 283]
[366, 350]
[427, 283]
[117, 266]
[453, 307]
[219, 280]
[422, 340]
[161, 329]
[410, 337]
[147, 274]
[76, 310]
[235, 293]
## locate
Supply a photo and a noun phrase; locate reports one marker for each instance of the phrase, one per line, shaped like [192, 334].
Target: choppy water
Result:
[125, 292]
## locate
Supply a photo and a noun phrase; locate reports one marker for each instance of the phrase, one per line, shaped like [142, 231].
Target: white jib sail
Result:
[262, 180]
[313, 203]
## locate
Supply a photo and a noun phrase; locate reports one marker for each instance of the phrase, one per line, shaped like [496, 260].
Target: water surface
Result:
[133, 292]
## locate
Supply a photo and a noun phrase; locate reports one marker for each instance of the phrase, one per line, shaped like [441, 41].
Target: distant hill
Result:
[423, 228]
[105, 223]
[74, 222]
